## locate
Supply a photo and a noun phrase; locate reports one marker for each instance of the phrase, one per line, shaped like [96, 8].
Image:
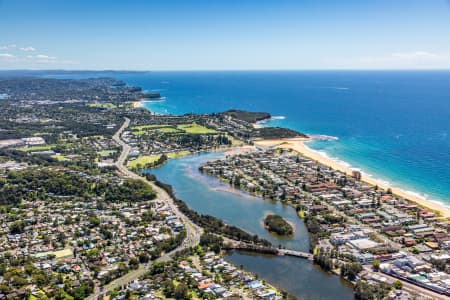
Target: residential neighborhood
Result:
[349, 220]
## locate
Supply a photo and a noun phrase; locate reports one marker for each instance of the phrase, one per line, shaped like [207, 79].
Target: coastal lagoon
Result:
[208, 195]
[302, 279]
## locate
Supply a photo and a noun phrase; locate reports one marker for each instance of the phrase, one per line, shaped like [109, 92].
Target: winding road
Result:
[193, 232]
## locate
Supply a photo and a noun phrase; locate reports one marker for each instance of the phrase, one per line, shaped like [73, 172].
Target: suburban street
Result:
[193, 232]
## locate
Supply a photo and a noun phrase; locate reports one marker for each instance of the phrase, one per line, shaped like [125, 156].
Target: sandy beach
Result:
[137, 104]
[298, 144]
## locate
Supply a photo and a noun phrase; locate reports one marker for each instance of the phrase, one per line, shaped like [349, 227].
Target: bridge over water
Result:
[268, 250]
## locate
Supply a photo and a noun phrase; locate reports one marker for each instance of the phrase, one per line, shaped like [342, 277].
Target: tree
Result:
[94, 221]
[351, 270]
[181, 291]
[17, 227]
[133, 263]
[376, 264]
[143, 258]
[168, 288]
[3, 269]
[374, 291]
[398, 285]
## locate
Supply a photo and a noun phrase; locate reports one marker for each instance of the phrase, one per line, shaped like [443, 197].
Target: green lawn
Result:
[102, 105]
[37, 148]
[195, 128]
[142, 127]
[141, 130]
[106, 152]
[148, 159]
[143, 160]
[170, 130]
[178, 154]
[192, 128]
[60, 157]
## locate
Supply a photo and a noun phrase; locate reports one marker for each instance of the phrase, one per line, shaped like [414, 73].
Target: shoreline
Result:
[298, 144]
[137, 104]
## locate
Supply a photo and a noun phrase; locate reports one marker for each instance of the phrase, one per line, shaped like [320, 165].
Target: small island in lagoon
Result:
[278, 225]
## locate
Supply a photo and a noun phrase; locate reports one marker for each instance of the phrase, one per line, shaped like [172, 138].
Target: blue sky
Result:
[224, 35]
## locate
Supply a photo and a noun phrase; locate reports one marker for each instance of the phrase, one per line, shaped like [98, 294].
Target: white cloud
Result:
[28, 49]
[6, 56]
[45, 57]
[22, 57]
[7, 47]
[418, 59]
[414, 57]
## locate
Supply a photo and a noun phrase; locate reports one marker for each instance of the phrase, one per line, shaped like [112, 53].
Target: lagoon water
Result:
[208, 195]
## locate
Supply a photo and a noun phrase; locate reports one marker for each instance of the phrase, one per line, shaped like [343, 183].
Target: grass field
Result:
[142, 127]
[60, 157]
[170, 130]
[194, 128]
[102, 105]
[178, 154]
[57, 254]
[106, 152]
[148, 159]
[37, 148]
[143, 160]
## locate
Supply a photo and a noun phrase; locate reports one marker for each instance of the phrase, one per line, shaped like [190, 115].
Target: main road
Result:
[193, 232]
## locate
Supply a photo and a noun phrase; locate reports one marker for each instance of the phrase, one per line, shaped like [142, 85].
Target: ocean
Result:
[393, 125]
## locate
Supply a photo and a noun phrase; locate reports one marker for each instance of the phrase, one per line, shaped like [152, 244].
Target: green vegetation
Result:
[250, 117]
[44, 182]
[151, 161]
[144, 162]
[398, 285]
[276, 133]
[315, 230]
[132, 190]
[325, 259]
[209, 223]
[102, 105]
[60, 157]
[37, 148]
[351, 270]
[278, 225]
[170, 130]
[106, 152]
[155, 126]
[192, 128]
[371, 291]
[178, 154]
[195, 128]
[212, 242]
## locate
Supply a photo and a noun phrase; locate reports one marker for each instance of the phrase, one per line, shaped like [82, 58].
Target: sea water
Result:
[393, 125]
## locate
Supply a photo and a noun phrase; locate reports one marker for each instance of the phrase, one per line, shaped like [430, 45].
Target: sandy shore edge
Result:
[298, 144]
[137, 104]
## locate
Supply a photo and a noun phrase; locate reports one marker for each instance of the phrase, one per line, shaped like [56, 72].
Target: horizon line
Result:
[219, 70]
